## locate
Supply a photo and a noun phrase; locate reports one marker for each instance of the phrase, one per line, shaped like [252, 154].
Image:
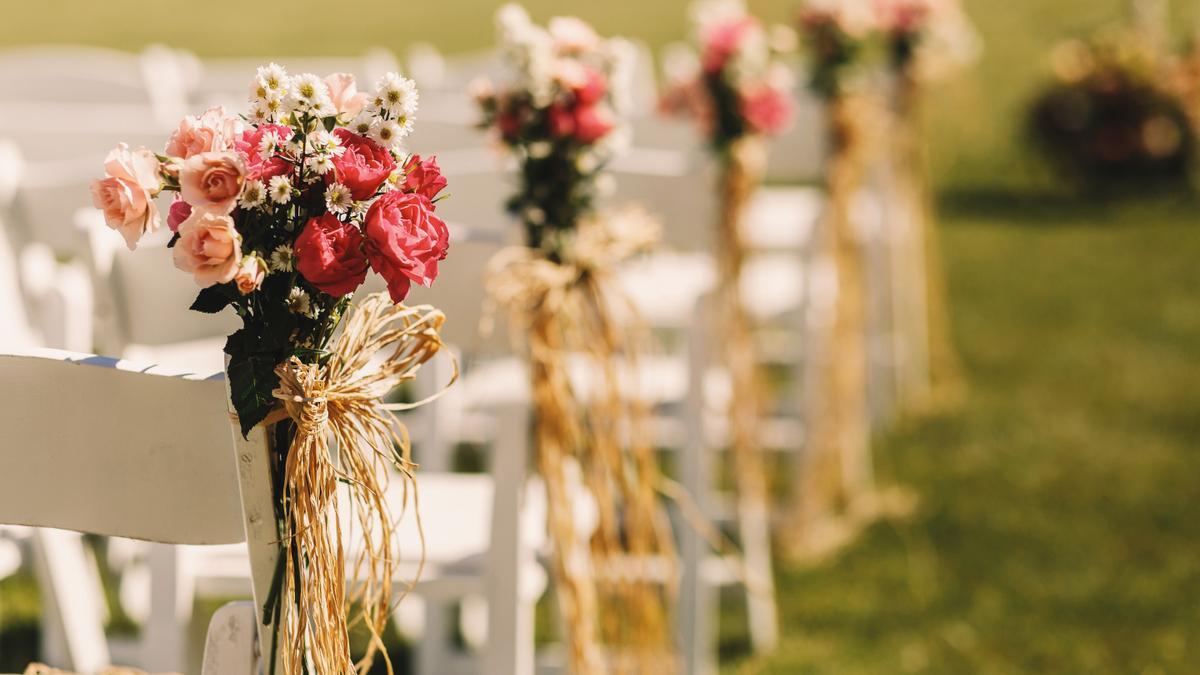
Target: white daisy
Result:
[338, 199]
[364, 121]
[281, 189]
[319, 164]
[282, 259]
[387, 133]
[309, 92]
[254, 194]
[268, 143]
[325, 143]
[396, 93]
[272, 77]
[298, 302]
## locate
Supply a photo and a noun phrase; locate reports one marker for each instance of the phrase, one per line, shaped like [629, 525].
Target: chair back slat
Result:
[93, 446]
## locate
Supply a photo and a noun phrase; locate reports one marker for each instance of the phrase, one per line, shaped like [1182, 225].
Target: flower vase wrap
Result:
[561, 117]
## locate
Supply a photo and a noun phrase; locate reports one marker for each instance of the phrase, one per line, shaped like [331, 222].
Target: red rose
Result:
[423, 177]
[329, 254]
[509, 124]
[594, 88]
[561, 121]
[258, 168]
[364, 166]
[591, 124]
[405, 241]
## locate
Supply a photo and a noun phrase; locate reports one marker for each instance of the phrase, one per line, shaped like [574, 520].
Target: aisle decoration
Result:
[561, 119]
[280, 214]
[925, 41]
[836, 470]
[741, 93]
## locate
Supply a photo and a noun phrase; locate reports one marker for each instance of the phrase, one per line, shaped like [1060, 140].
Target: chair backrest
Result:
[98, 445]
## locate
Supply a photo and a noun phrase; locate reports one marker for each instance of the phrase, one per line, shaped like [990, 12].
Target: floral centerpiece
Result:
[280, 214]
[838, 34]
[561, 117]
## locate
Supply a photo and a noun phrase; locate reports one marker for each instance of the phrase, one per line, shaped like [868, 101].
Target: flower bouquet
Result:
[742, 85]
[280, 214]
[740, 93]
[561, 117]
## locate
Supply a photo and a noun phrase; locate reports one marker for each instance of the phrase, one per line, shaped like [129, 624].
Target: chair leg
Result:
[73, 600]
[509, 648]
[433, 651]
[164, 638]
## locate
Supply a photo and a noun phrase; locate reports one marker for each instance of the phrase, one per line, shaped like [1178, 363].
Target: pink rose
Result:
[259, 167]
[767, 110]
[591, 123]
[343, 90]
[405, 241]
[592, 89]
[209, 248]
[213, 131]
[363, 167]
[561, 120]
[179, 212]
[127, 208]
[723, 42]
[250, 274]
[212, 180]
[139, 167]
[329, 254]
[423, 177]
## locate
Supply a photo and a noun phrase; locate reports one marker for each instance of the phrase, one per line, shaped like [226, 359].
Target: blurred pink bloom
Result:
[767, 110]
[343, 90]
[723, 41]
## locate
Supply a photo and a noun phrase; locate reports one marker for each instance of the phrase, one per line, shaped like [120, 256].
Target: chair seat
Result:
[196, 356]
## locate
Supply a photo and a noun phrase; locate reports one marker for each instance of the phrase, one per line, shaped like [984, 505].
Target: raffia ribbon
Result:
[605, 589]
[346, 435]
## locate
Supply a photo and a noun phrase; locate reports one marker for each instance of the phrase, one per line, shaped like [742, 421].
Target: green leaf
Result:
[252, 378]
[330, 123]
[214, 299]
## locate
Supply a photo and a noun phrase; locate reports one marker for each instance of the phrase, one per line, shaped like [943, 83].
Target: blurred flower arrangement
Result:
[918, 39]
[561, 116]
[280, 213]
[741, 84]
[1115, 111]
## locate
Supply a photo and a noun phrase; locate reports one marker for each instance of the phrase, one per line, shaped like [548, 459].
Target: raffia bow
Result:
[346, 435]
[573, 307]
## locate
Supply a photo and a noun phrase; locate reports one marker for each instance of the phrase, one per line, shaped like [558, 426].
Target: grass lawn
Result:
[1058, 527]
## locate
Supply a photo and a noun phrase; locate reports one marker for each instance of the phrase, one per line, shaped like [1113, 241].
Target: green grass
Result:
[1057, 530]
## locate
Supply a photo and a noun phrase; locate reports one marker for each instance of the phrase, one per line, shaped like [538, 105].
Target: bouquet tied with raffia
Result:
[560, 116]
[280, 214]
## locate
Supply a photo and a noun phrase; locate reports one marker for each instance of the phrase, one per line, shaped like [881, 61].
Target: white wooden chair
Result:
[141, 458]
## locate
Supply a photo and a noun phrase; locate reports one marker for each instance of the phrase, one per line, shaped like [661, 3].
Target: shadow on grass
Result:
[1060, 208]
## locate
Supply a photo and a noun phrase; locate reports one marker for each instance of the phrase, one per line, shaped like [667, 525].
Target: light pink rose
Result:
[343, 90]
[250, 274]
[213, 131]
[209, 248]
[139, 167]
[573, 35]
[127, 208]
[212, 180]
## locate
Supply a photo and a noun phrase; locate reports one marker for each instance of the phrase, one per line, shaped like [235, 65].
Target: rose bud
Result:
[423, 177]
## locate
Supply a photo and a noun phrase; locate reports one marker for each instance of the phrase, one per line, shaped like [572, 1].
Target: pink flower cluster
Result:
[741, 85]
[293, 189]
